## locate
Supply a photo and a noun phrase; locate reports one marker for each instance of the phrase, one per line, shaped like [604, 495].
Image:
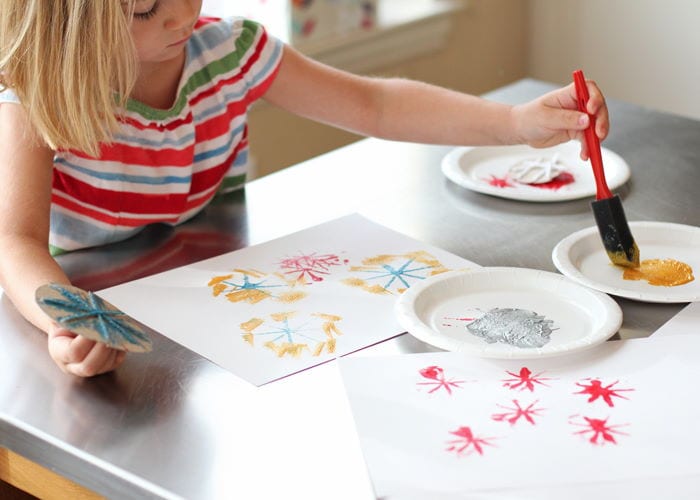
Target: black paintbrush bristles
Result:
[615, 233]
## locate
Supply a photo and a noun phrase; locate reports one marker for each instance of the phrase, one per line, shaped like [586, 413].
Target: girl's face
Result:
[161, 28]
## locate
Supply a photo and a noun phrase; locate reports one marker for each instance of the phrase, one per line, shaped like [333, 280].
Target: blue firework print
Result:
[394, 273]
[86, 314]
[409, 270]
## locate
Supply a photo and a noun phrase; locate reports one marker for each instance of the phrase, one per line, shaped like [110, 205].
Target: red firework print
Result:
[599, 429]
[467, 442]
[310, 266]
[595, 389]
[515, 413]
[437, 377]
[524, 380]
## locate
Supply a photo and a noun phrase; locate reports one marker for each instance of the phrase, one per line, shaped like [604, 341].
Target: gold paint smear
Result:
[329, 347]
[378, 260]
[218, 279]
[329, 329]
[440, 270]
[423, 257]
[217, 288]
[285, 348]
[281, 316]
[288, 297]
[358, 283]
[252, 296]
[319, 349]
[251, 324]
[661, 272]
[328, 317]
[378, 289]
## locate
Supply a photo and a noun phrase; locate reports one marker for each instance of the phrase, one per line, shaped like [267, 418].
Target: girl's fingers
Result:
[67, 347]
[81, 356]
[100, 359]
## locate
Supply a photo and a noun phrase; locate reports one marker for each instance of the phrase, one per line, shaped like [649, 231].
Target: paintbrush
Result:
[607, 208]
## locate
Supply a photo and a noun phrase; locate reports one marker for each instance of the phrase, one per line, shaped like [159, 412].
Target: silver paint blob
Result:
[517, 327]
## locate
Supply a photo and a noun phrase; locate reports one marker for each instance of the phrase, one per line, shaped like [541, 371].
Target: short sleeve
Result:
[262, 54]
[234, 52]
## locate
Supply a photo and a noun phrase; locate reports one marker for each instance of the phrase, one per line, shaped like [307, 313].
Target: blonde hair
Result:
[71, 63]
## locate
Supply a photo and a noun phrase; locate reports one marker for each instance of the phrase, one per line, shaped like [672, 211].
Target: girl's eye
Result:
[147, 14]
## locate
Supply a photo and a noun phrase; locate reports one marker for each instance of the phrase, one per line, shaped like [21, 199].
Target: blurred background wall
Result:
[642, 51]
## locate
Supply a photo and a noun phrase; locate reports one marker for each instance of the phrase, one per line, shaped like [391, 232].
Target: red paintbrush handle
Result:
[602, 191]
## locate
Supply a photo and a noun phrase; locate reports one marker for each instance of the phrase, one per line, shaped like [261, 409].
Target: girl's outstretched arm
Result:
[406, 110]
[25, 263]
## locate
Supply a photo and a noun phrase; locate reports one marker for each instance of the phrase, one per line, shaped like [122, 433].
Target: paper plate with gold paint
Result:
[669, 254]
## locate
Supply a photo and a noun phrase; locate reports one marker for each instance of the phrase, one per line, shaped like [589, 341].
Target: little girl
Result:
[116, 114]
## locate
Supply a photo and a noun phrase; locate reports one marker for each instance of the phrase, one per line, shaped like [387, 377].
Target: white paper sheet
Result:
[443, 424]
[270, 310]
[685, 322]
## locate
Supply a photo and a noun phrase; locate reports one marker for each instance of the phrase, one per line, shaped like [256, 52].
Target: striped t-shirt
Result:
[166, 165]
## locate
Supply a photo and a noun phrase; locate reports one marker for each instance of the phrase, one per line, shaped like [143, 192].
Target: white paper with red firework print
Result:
[444, 424]
[273, 309]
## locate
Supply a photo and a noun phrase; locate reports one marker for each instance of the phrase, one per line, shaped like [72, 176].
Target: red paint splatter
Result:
[467, 442]
[311, 266]
[456, 319]
[500, 182]
[524, 380]
[599, 430]
[437, 377]
[517, 412]
[596, 390]
[559, 181]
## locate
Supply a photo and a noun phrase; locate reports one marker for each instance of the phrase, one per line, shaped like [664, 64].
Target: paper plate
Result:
[504, 312]
[86, 314]
[485, 169]
[582, 257]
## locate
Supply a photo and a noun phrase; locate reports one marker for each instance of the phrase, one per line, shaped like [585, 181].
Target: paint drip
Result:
[516, 327]
[661, 272]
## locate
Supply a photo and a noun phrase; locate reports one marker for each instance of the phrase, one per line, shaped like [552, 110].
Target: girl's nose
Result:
[181, 14]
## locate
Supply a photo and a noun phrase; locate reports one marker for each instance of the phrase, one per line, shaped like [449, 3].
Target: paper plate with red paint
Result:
[529, 174]
[582, 257]
[507, 312]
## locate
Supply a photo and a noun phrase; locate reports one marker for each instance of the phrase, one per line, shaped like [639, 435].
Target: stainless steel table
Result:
[171, 424]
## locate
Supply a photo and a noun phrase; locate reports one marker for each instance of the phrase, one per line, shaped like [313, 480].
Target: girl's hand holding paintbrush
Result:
[533, 121]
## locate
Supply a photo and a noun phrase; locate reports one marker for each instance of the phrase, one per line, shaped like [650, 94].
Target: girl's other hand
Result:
[81, 356]
[554, 118]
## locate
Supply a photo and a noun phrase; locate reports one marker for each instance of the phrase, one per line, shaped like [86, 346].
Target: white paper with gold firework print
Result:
[273, 309]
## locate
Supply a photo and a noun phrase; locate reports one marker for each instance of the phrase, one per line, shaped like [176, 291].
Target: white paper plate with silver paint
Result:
[507, 312]
[582, 257]
[487, 170]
